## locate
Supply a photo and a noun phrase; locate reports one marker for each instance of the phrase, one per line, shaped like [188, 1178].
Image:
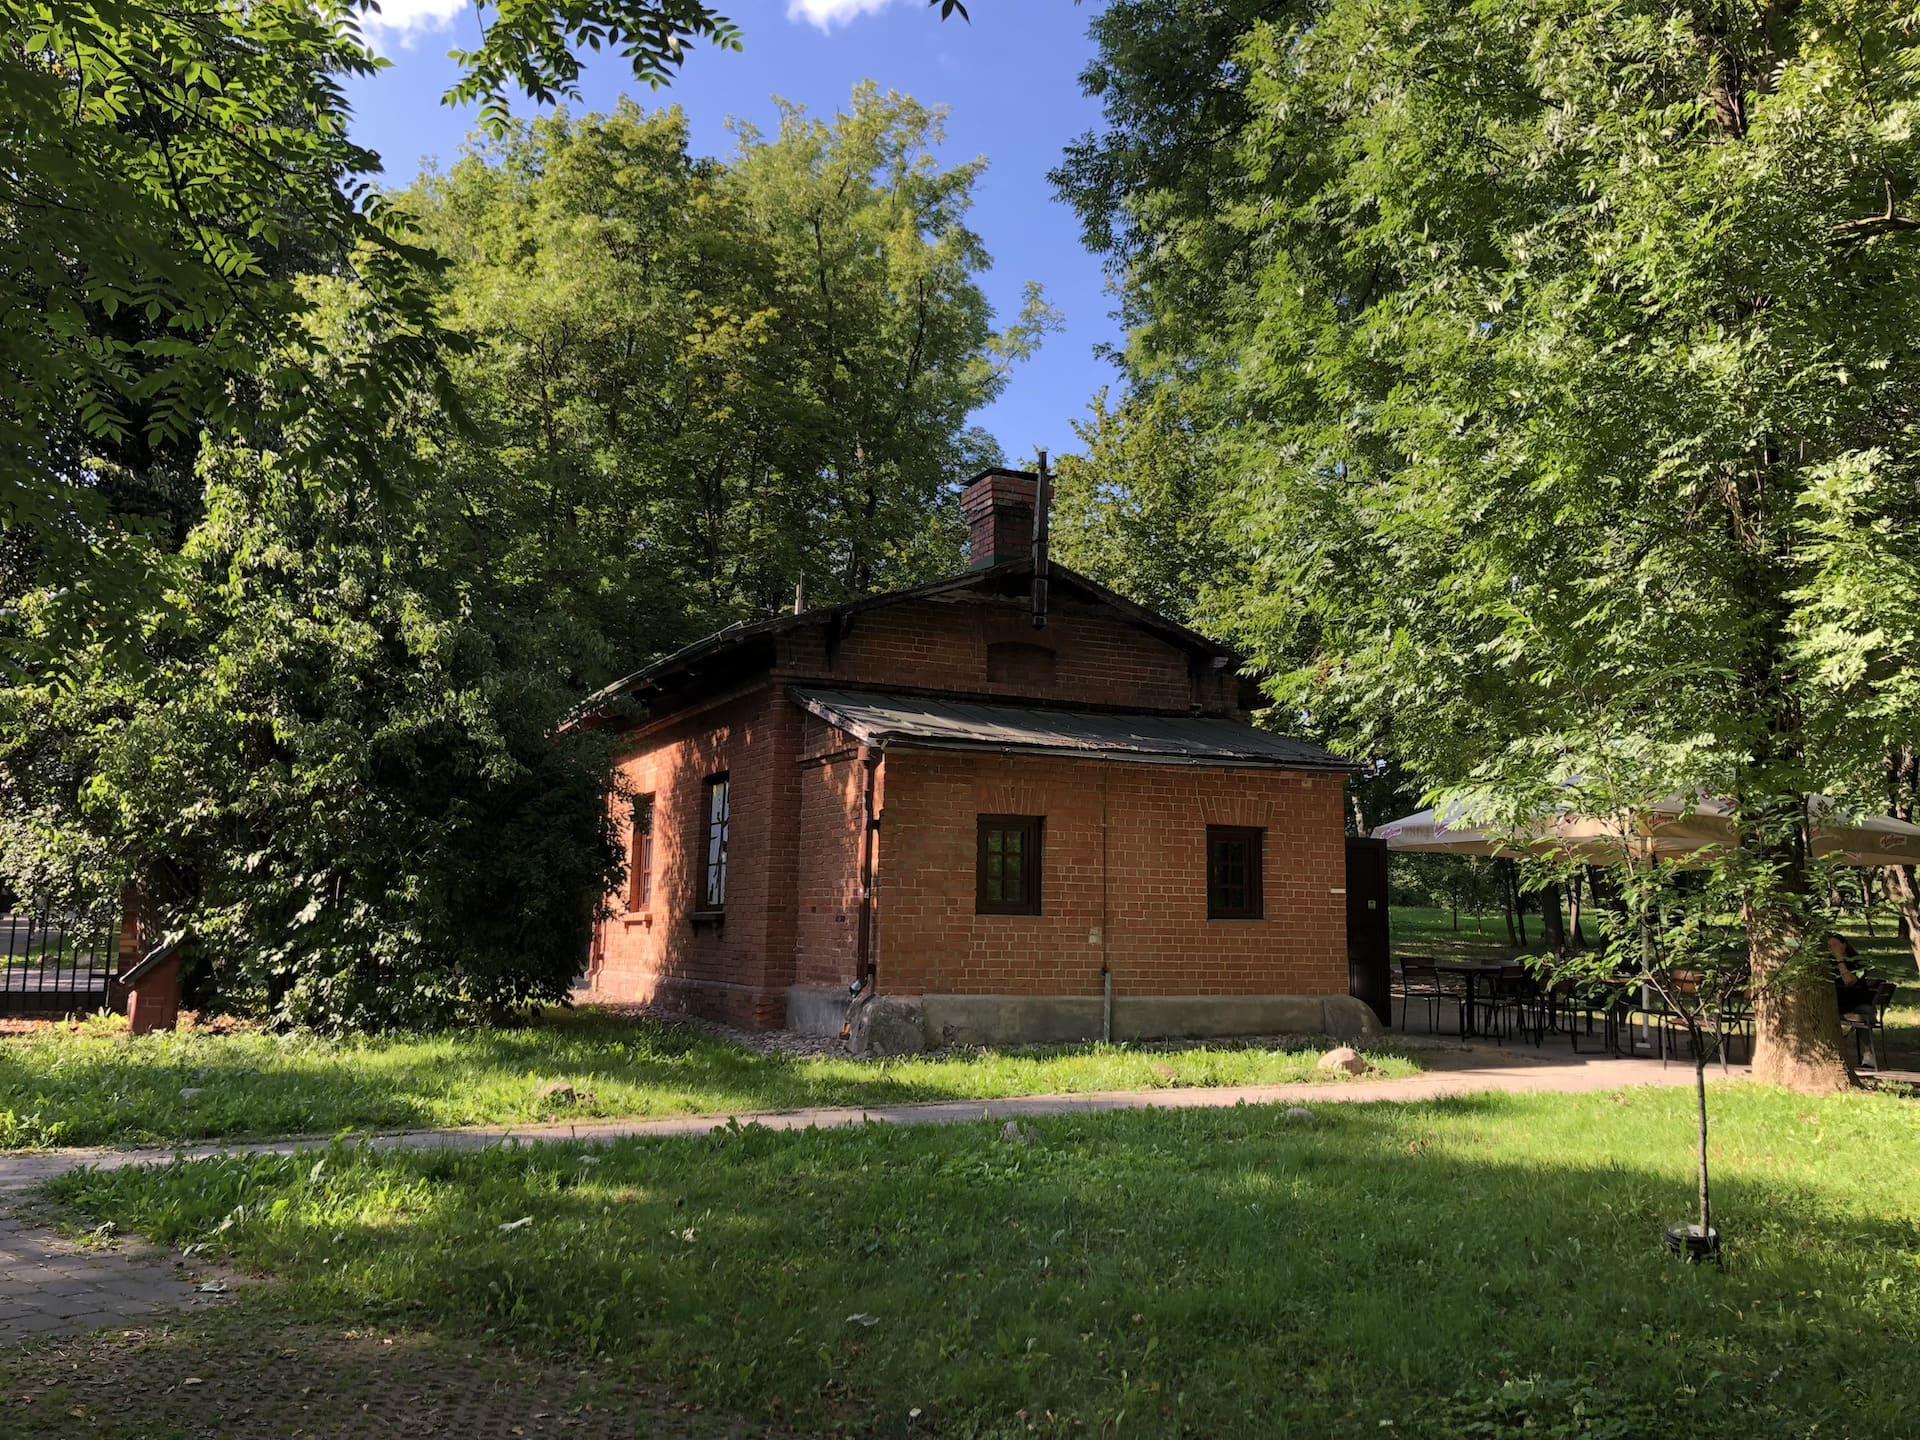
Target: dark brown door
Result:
[1369, 944]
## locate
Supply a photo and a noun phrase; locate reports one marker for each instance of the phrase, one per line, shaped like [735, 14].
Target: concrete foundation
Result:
[816, 1009]
[1063, 1019]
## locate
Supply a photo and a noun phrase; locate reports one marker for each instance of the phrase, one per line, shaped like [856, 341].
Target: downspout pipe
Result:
[864, 967]
[1106, 918]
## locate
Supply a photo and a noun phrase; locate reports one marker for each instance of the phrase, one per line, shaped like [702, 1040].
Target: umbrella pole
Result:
[1648, 949]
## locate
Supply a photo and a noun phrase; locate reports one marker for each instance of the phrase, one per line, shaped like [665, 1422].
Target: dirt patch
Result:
[253, 1376]
[784, 1042]
[760, 1042]
[191, 1022]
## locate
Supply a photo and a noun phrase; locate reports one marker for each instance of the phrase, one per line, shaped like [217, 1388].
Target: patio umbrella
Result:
[1675, 827]
[1873, 841]
[1438, 833]
[1449, 831]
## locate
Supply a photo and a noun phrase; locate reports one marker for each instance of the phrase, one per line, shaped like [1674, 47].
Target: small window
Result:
[719, 810]
[1233, 872]
[1008, 873]
[640, 863]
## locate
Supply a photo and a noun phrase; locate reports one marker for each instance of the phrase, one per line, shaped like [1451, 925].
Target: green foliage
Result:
[705, 382]
[534, 46]
[1482, 1266]
[332, 768]
[1132, 510]
[334, 754]
[1462, 883]
[170, 172]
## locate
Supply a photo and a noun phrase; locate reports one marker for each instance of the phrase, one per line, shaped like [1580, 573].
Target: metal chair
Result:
[1867, 1018]
[1516, 1001]
[1419, 980]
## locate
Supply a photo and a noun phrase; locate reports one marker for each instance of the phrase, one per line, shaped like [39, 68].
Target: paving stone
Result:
[50, 1285]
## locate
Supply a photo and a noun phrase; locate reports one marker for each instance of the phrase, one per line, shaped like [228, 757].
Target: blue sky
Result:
[1009, 79]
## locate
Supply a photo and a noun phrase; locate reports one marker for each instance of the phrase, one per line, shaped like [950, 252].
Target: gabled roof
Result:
[1005, 578]
[917, 722]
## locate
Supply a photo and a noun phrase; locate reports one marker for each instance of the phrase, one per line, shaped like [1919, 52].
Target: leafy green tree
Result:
[333, 766]
[1560, 361]
[1133, 508]
[698, 383]
[166, 171]
[874, 280]
[166, 174]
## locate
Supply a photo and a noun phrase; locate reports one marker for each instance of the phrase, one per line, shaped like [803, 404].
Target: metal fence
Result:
[56, 962]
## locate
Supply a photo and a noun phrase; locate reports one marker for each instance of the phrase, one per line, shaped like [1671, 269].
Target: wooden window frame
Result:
[1032, 830]
[640, 855]
[712, 897]
[1254, 906]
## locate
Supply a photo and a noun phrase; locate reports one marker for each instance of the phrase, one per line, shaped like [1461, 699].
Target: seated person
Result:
[1855, 991]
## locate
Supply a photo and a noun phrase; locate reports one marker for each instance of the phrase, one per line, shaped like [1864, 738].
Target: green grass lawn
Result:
[1475, 1267]
[94, 1084]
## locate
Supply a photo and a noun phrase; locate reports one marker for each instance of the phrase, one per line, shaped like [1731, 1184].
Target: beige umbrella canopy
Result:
[1440, 832]
[1675, 827]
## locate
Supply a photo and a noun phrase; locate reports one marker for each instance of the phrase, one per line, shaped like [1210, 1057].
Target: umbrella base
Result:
[1692, 1245]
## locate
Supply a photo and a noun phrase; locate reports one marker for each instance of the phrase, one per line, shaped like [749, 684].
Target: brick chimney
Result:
[998, 507]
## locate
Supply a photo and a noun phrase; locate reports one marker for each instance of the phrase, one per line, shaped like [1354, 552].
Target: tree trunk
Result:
[1903, 881]
[1553, 927]
[1903, 887]
[1700, 1106]
[1796, 1019]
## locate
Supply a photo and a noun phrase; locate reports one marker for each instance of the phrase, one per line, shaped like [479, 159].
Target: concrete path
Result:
[52, 1286]
[1450, 1071]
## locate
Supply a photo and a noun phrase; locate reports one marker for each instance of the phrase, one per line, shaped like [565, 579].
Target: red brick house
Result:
[1006, 831]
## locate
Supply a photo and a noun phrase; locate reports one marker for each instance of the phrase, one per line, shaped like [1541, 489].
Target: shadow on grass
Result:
[104, 1088]
[1468, 1267]
[256, 1375]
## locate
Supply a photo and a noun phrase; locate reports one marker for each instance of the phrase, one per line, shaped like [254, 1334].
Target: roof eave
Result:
[889, 741]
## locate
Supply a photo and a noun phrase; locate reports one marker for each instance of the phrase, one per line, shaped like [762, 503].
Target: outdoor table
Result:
[1469, 972]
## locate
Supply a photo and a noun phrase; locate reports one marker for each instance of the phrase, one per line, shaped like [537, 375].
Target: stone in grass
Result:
[558, 1092]
[881, 1025]
[1344, 1060]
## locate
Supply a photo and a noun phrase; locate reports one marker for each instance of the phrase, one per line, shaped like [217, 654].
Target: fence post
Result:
[152, 984]
[153, 1001]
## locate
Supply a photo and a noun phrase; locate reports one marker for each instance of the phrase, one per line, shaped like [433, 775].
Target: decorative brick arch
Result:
[1010, 799]
[1248, 810]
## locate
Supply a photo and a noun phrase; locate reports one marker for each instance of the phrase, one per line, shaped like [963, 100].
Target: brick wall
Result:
[1150, 909]
[736, 969]
[831, 779]
[986, 646]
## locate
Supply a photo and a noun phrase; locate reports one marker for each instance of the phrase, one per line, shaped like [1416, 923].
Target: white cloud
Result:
[402, 22]
[826, 14]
